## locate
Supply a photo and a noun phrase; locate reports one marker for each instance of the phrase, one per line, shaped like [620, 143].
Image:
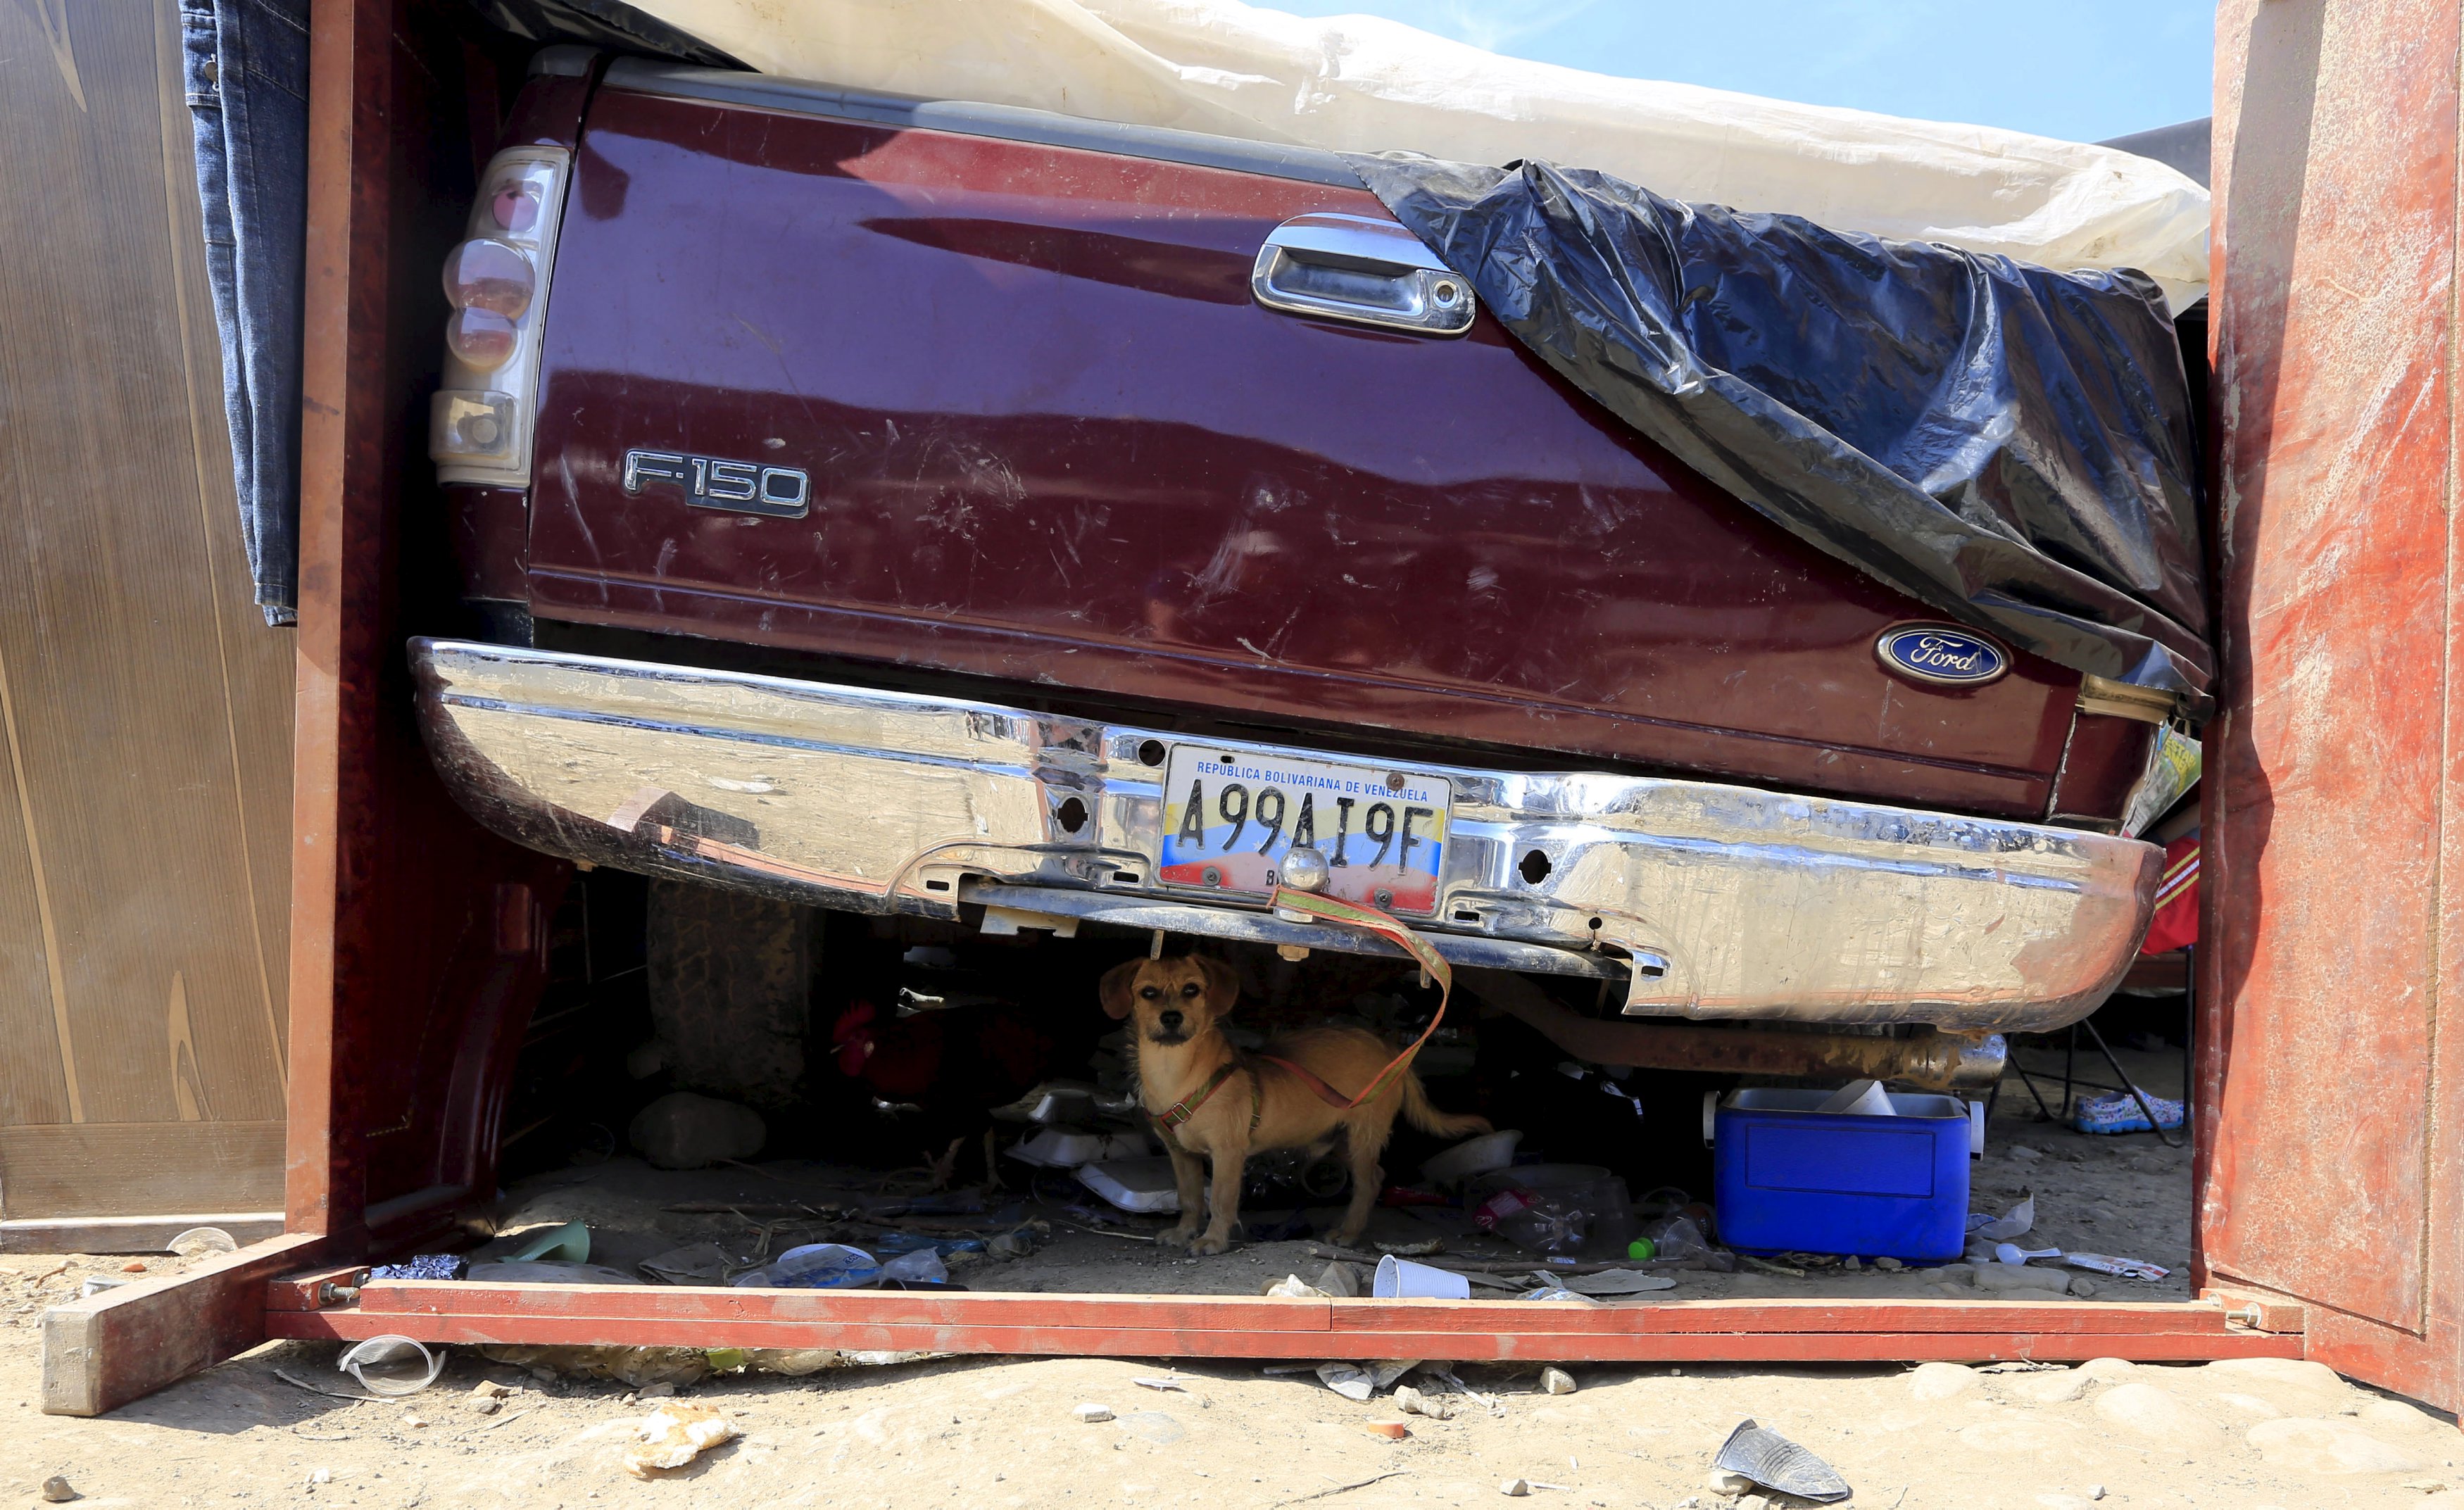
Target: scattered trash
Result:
[1530, 1219]
[698, 1263]
[681, 1131]
[1166, 1383]
[1427, 1249]
[298, 1382]
[2013, 1252]
[1340, 1280]
[1774, 1463]
[1383, 1373]
[1490, 1150]
[391, 1365]
[1515, 1488]
[424, 1266]
[570, 1243]
[133, 1266]
[1092, 1412]
[1556, 1381]
[1347, 1380]
[56, 1491]
[1400, 1278]
[95, 1283]
[815, 1266]
[1069, 1148]
[1617, 1281]
[1723, 1482]
[2121, 1113]
[919, 1266]
[2012, 1223]
[1292, 1287]
[673, 1435]
[1413, 1402]
[1767, 1266]
[1134, 1185]
[1558, 1292]
[2118, 1268]
[1392, 1431]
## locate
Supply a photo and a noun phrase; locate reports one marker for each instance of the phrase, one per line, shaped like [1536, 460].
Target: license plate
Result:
[1229, 820]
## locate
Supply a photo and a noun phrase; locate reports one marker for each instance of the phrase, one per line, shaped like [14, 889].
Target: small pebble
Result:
[2096, 1491]
[1888, 1265]
[1092, 1412]
[321, 1475]
[1556, 1381]
[656, 1391]
[490, 1389]
[1721, 1481]
[1392, 1431]
[133, 1266]
[2024, 1153]
[413, 1419]
[1512, 1488]
[1754, 1502]
[56, 1490]
[487, 1404]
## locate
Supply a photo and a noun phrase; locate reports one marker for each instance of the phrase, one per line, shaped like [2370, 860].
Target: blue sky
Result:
[2085, 69]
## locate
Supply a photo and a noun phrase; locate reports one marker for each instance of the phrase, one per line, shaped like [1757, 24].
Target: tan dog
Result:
[1204, 1097]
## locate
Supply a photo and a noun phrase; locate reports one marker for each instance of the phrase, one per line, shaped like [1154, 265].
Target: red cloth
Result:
[2177, 899]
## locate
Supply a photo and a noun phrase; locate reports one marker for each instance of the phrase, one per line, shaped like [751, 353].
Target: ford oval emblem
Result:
[1942, 655]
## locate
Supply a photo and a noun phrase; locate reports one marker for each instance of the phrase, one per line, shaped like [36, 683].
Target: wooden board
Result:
[107, 1349]
[2330, 1163]
[144, 706]
[1210, 1326]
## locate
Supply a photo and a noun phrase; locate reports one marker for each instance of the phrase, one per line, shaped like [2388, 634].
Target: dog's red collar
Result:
[1186, 1107]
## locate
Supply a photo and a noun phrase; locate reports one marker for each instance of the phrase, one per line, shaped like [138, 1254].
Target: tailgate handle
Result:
[1361, 271]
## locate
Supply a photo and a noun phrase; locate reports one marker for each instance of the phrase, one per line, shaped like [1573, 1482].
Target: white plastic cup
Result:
[1402, 1279]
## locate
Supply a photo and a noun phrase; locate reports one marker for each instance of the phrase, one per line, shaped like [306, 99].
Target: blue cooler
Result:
[1787, 1177]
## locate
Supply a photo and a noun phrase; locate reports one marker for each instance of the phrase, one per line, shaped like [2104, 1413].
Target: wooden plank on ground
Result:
[440, 1325]
[101, 1353]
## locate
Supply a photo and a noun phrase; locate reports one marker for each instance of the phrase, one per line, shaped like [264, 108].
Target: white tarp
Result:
[1361, 83]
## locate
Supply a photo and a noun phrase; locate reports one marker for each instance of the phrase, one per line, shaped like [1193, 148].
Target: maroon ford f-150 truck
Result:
[993, 515]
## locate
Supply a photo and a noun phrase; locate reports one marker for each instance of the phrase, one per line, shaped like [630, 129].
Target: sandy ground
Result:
[1003, 1431]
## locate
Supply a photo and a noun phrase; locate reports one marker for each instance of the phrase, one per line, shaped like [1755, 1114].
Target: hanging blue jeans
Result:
[246, 63]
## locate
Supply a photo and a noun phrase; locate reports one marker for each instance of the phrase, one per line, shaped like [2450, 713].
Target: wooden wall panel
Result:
[146, 709]
[2331, 1159]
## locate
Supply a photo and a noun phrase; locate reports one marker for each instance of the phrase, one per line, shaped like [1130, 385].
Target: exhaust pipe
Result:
[1928, 1060]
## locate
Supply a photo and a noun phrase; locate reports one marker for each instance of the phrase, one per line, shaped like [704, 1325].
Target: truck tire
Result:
[731, 991]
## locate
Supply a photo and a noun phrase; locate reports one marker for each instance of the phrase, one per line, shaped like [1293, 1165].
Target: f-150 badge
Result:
[1942, 655]
[710, 482]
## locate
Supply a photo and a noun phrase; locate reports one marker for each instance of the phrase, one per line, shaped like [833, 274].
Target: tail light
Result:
[479, 424]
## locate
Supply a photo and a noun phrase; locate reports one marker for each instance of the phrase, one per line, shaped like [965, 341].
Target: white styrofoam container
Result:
[1138, 1185]
[1067, 1148]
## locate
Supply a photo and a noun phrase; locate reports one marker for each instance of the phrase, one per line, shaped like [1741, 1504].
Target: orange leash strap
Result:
[1333, 909]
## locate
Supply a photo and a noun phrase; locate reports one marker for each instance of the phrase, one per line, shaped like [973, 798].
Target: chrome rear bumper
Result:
[1705, 901]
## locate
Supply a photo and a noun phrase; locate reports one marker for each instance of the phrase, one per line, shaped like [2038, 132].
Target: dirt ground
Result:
[1005, 1433]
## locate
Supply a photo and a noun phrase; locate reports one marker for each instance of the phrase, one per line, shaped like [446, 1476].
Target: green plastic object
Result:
[570, 1243]
[1643, 1248]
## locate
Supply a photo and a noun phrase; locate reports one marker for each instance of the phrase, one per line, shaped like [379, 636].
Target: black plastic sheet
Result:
[2011, 444]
